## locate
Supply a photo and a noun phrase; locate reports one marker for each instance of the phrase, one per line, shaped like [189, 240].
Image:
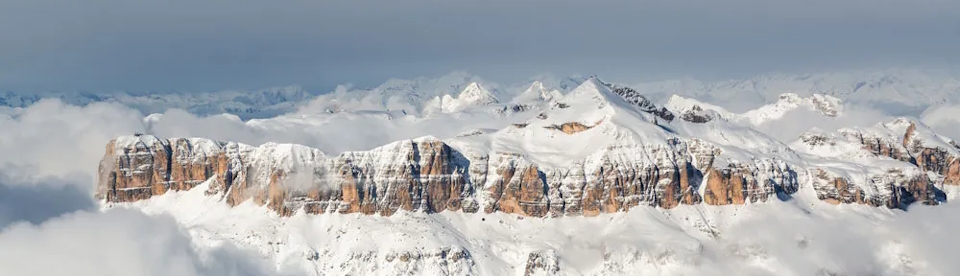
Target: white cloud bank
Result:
[945, 119]
[49, 221]
[115, 242]
[51, 226]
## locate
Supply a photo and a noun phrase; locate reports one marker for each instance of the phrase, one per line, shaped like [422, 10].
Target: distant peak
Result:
[536, 85]
[591, 84]
[787, 102]
[473, 86]
[474, 93]
[594, 79]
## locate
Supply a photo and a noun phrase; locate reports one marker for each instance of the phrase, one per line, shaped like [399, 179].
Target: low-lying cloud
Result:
[51, 138]
[39, 200]
[115, 242]
[52, 226]
[944, 119]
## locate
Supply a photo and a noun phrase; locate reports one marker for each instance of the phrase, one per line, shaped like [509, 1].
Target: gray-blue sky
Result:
[220, 44]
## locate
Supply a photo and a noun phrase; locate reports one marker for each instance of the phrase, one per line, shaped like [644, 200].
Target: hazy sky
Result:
[231, 44]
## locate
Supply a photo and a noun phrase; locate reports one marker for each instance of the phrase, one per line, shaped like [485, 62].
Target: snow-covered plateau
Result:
[575, 177]
[821, 174]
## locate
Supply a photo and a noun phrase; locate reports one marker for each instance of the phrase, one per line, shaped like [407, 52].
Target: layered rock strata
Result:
[929, 165]
[428, 175]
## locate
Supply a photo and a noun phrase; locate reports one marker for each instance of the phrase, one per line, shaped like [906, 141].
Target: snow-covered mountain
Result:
[898, 92]
[539, 179]
[471, 96]
[694, 110]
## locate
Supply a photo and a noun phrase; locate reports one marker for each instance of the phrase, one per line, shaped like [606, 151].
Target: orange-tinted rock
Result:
[521, 190]
[952, 174]
[428, 177]
[929, 159]
[904, 191]
[571, 127]
[839, 190]
[734, 185]
[881, 148]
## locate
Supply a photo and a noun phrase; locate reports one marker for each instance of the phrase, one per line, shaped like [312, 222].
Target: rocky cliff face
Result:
[926, 164]
[140, 167]
[893, 190]
[428, 175]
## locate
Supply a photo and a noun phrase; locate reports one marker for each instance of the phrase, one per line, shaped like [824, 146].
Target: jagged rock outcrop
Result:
[543, 262]
[694, 111]
[451, 260]
[514, 108]
[815, 139]
[697, 114]
[893, 190]
[633, 97]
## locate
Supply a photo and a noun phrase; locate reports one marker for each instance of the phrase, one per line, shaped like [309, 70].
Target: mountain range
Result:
[459, 176]
[900, 92]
